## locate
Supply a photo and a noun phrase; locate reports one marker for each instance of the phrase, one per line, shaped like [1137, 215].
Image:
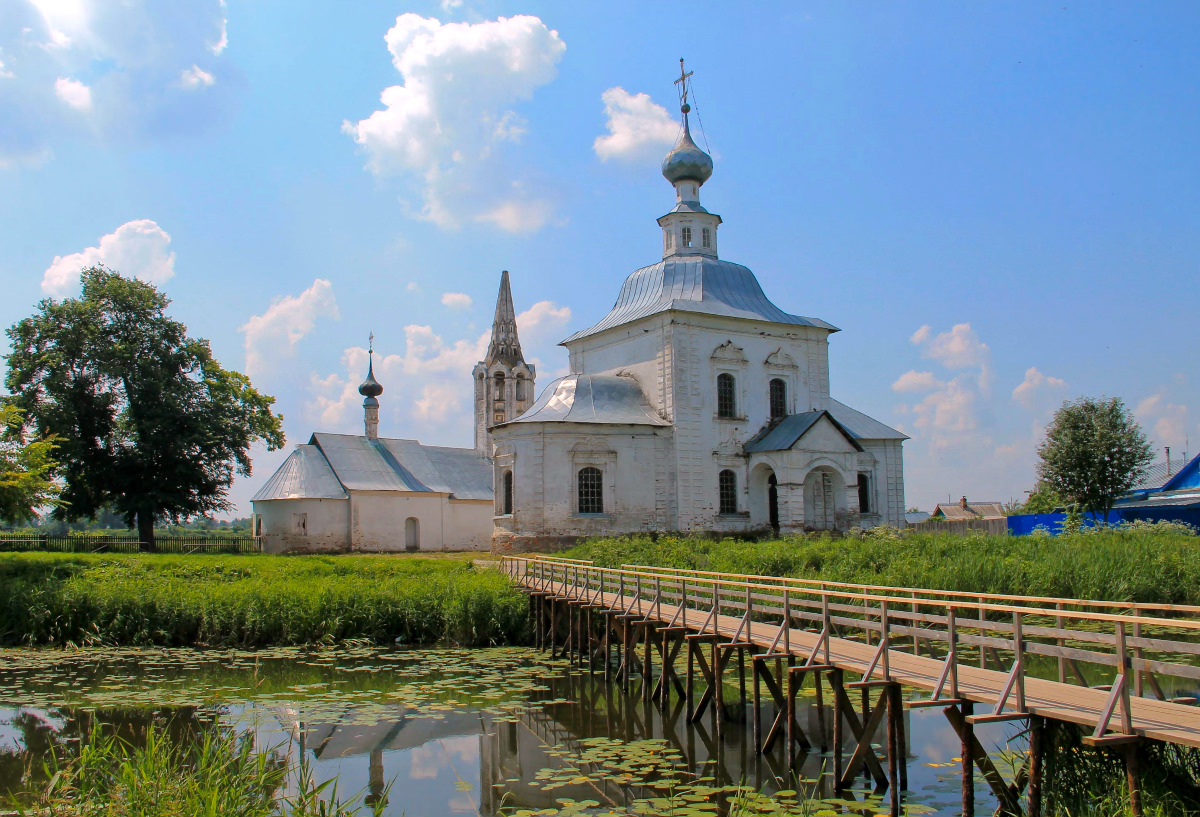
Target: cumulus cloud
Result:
[195, 77]
[456, 300]
[137, 248]
[446, 124]
[127, 65]
[541, 323]
[960, 348]
[1165, 421]
[74, 93]
[275, 333]
[638, 127]
[1037, 388]
[916, 381]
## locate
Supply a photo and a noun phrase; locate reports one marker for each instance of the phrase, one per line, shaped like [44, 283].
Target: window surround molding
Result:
[730, 359]
[595, 455]
[780, 365]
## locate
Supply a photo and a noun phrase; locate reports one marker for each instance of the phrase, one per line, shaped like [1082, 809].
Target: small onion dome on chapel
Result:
[370, 387]
[686, 162]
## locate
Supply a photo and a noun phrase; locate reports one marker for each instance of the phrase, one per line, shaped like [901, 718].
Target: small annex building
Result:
[965, 511]
[347, 492]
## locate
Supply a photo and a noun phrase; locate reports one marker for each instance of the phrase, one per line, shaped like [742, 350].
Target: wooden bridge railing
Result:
[1134, 645]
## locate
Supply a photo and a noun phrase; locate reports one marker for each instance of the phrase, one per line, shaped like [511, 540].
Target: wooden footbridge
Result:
[1116, 669]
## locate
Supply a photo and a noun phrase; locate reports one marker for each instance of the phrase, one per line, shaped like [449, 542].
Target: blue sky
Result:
[996, 203]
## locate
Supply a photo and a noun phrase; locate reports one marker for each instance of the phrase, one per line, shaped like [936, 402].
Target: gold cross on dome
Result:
[682, 82]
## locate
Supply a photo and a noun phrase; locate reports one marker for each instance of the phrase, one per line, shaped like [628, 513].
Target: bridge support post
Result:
[966, 752]
[1133, 778]
[1037, 738]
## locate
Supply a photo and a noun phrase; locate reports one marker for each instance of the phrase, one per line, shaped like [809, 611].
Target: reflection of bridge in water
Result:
[963, 649]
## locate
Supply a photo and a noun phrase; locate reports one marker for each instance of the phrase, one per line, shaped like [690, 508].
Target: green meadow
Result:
[1158, 564]
[253, 601]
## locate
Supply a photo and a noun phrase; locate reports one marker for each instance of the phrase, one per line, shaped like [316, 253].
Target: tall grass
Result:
[252, 601]
[217, 773]
[1143, 565]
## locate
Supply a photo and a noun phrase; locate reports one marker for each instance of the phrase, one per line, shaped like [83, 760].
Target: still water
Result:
[476, 732]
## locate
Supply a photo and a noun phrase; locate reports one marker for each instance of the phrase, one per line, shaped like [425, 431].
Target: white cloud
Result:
[195, 77]
[1165, 421]
[913, 380]
[1036, 389]
[120, 62]
[957, 349]
[451, 5]
[456, 300]
[413, 286]
[445, 123]
[74, 93]
[437, 400]
[638, 127]
[139, 249]
[275, 333]
[223, 40]
[541, 323]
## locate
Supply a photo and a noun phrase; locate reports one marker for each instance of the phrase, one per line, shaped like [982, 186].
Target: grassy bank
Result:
[1133, 565]
[252, 601]
[215, 773]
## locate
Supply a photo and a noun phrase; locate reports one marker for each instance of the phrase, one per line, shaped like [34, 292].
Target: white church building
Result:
[696, 405]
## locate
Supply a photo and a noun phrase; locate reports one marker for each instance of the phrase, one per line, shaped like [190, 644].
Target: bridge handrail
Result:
[742, 581]
[1133, 606]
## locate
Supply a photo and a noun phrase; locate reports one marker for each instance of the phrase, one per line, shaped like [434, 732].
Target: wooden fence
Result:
[962, 527]
[130, 544]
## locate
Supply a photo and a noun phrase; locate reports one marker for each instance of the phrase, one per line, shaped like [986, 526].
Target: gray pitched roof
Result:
[694, 283]
[332, 464]
[304, 474]
[788, 431]
[592, 398]
[1157, 474]
[974, 510]
[862, 426]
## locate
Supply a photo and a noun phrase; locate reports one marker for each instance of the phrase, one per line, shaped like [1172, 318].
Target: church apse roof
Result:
[694, 283]
[305, 474]
[592, 398]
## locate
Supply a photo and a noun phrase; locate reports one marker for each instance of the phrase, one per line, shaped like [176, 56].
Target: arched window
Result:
[519, 388]
[412, 533]
[726, 401]
[591, 490]
[727, 491]
[508, 493]
[706, 238]
[864, 494]
[498, 398]
[778, 398]
[666, 240]
[685, 237]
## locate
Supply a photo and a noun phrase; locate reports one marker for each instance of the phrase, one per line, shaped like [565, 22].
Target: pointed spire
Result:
[505, 346]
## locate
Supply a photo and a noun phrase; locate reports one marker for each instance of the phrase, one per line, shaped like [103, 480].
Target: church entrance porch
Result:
[764, 498]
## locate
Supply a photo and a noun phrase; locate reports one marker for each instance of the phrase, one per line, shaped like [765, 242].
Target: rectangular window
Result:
[727, 485]
[706, 237]
[591, 490]
[726, 402]
[685, 236]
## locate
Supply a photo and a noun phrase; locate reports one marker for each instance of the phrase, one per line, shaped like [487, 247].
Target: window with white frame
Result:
[685, 237]
[706, 238]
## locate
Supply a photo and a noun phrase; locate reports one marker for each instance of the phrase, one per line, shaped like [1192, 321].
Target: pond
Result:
[476, 732]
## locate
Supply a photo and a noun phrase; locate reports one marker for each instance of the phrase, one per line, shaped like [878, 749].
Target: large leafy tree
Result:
[147, 421]
[1094, 451]
[26, 470]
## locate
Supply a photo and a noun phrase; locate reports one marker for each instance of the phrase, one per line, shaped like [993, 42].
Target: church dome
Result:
[604, 399]
[687, 162]
[370, 387]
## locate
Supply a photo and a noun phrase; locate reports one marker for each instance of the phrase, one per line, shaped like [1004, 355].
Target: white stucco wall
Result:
[378, 521]
[326, 524]
[545, 459]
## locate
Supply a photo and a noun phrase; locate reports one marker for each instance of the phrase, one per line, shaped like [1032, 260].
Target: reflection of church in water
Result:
[695, 404]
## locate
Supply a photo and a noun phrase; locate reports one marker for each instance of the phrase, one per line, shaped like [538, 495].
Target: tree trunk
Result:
[145, 524]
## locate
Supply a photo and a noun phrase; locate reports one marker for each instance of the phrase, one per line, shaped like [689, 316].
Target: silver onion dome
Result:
[686, 161]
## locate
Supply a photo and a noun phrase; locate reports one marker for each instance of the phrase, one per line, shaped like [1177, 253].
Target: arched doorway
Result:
[412, 533]
[773, 502]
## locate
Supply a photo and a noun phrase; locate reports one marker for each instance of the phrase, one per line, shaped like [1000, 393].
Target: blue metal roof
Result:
[694, 283]
[592, 398]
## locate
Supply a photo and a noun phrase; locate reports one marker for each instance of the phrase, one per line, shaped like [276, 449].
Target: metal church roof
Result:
[332, 464]
[862, 426]
[694, 283]
[305, 474]
[593, 398]
[788, 431]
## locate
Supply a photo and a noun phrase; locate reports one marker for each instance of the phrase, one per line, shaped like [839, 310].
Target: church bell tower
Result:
[503, 380]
